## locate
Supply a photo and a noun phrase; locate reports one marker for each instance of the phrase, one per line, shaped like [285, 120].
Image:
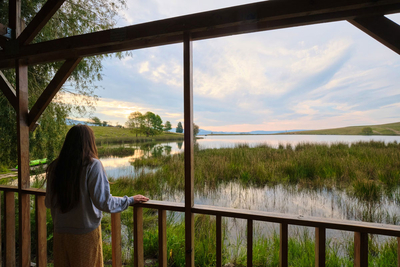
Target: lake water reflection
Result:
[321, 203]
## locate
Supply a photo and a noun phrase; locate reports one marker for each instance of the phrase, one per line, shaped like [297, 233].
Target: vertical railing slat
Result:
[249, 243]
[360, 249]
[219, 241]
[283, 252]
[320, 243]
[398, 252]
[41, 231]
[116, 239]
[138, 236]
[162, 238]
[9, 228]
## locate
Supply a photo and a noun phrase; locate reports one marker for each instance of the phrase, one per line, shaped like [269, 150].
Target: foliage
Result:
[179, 128]
[367, 130]
[148, 124]
[196, 129]
[167, 126]
[73, 18]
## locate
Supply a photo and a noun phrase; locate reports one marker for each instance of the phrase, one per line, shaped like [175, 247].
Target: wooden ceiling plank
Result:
[381, 29]
[51, 90]
[8, 90]
[39, 21]
[260, 16]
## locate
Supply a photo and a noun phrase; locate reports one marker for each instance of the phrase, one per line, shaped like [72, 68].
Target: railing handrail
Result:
[328, 223]
[274, 217]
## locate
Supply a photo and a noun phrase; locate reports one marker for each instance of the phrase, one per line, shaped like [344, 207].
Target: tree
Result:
[367, 130]
[167, 126]
[74, 17]
[96, 121]
[179, 128]
[135, 122]
[196, 129]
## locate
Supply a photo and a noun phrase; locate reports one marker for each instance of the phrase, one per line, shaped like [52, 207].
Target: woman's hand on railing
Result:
[140, 199]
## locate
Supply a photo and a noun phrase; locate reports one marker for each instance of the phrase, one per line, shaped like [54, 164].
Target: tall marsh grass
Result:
[366, 170]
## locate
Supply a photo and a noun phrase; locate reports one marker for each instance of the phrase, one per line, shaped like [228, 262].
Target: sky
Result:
[311, 77]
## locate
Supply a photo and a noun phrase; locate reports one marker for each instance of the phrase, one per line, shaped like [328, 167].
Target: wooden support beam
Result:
[41, 231]
[8, 91]
[249, 243]
[284, 248]
[51, 90]
[261, 16]
[14, 17]
[320, 246]
[381, 29]
[189, 153]
[138, 236]
[39, 21]
[162, 238]
[24, 217]
[9, 228]
[398, 252]
[116, 243]
[360, 249]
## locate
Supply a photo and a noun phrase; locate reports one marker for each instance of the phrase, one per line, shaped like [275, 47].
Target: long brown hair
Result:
[65, 172]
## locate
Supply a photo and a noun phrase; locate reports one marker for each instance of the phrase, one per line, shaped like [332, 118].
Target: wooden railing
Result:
[360, 229]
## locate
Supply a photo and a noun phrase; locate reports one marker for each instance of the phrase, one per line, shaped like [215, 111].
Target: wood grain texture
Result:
[9, 228]
[39, 21]
[51, 90]
[116, 239]
[138, 236]
[8, 90]
[41, 231]
[261, 16]
[382, 29]
[188, 151]
[360, 249]
[162, 238]
[24, 229]
[320, 246]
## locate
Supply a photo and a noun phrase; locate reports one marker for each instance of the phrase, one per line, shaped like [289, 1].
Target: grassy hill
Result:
[382, 129]
[115, 134]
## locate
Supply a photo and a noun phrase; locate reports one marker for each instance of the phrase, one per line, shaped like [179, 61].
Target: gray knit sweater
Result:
[95, 197]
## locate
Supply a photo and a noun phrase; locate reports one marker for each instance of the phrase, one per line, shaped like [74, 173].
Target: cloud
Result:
[317, 76]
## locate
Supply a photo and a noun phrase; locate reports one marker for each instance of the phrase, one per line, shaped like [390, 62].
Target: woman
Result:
[77, 192]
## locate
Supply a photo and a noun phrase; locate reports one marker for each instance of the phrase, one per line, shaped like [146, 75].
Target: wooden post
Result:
[360, 249]
[41, 231]
[219, 241]
[138, 236]
[9, 228]
[23, 141]
[189, 157]
[162, 238]
[320, 241]
[116, 239]
[283, 252]
[249, 243]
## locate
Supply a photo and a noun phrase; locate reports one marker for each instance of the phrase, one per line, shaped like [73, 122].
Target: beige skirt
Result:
[78, 250]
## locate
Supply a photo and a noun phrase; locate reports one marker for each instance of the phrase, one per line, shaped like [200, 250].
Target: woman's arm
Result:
[99, 190]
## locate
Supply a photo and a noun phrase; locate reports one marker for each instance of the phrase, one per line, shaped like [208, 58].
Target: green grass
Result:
[114, 134]
[382, 129]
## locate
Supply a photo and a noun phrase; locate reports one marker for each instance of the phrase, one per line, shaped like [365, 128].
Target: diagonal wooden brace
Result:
[51, 90]
[8, 90]
[39, 21]
[381, 29]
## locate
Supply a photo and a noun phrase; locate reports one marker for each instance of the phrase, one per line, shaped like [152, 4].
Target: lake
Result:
[328, 203]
